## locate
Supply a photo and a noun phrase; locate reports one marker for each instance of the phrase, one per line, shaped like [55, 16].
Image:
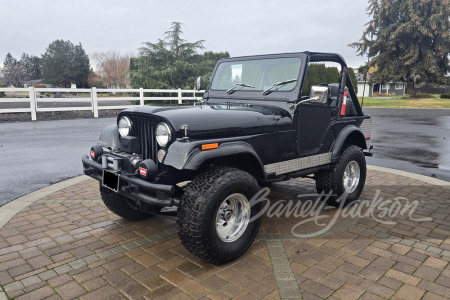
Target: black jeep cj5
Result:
[252, 127]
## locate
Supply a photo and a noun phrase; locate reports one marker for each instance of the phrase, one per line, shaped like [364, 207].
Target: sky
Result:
[244, 27]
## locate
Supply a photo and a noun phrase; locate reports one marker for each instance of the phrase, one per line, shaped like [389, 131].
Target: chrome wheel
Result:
[352, 174]
[232, 217]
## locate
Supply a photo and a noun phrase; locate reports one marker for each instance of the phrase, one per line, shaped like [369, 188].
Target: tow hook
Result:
[89, 171]
[130, 189]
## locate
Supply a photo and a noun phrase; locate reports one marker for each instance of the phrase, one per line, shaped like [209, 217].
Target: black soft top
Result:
[312, 57]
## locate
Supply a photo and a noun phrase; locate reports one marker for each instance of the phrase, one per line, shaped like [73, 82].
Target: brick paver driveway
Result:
[68, 245]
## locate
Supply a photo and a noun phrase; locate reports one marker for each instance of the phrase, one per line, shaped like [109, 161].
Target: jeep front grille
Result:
[144, 129]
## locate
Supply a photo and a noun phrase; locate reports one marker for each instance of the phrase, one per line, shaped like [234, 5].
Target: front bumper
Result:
[133, 187]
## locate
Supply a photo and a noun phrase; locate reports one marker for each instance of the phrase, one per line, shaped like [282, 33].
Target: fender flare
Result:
[342, 137]
[110, 138]
[189, 156]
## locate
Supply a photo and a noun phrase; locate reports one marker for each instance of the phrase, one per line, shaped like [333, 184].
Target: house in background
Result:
[30, 83]
[397, 88]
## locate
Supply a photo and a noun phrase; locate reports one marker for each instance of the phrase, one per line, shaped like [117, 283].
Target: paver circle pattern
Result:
[68, 245]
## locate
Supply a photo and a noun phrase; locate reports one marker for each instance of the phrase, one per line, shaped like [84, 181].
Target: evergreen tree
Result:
[209, 60]
[411, 40]
[64, 63]
[81, 67]
[30, 66]
[171, 62]
[215, 56]
[351, 73]
[317, 74]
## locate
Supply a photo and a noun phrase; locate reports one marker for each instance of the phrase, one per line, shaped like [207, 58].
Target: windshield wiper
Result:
[239, 85]
[281, 83]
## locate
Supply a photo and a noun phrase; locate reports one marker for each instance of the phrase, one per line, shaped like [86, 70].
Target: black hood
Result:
[214, 121]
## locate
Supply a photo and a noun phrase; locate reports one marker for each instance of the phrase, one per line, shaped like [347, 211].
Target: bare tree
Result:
[111, 69]
[13, 71]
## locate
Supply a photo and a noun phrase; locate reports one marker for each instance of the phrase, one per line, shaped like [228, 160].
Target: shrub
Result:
[423, 96]
[445, 96]
[2, 94]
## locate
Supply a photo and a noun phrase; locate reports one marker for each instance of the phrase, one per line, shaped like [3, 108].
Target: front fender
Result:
[188, 155]
[110, 138]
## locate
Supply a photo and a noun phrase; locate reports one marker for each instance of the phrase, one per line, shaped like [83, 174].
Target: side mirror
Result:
[319, 94]
[197, 87]
[198, 84]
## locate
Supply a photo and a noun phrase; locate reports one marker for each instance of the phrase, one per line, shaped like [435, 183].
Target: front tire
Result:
[347, 176]
[122, 206]
[213, 219]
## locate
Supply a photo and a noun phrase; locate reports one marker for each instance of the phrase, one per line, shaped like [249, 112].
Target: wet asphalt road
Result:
[413, 140]
[36, 154]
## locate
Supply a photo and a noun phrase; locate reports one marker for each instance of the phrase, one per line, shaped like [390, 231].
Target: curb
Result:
[433, 181]
[9, 210]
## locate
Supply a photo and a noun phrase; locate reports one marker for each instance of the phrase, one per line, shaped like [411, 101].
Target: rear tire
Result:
[347, 175]
[122, 206]
[213, 217]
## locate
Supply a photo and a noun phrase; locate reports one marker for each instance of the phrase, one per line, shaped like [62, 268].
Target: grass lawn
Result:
[407, 102]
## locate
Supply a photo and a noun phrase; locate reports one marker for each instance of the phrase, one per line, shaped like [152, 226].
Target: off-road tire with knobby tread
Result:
[196, 216]
[332, 180]
[122, 206]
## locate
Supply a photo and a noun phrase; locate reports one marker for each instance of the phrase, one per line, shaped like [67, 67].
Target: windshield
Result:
[257, 75]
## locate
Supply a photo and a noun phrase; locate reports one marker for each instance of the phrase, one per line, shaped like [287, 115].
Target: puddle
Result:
[417, 156]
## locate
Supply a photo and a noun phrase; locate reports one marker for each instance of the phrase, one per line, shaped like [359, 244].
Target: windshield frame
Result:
[256, 94]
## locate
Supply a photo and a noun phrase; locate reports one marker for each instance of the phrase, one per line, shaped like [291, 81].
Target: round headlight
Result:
[163, 134]
[124, 126]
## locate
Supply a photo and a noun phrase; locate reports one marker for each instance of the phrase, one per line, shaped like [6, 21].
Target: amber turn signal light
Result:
[210, 146]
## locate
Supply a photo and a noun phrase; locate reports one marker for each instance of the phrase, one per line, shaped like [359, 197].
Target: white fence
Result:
[93, 96]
